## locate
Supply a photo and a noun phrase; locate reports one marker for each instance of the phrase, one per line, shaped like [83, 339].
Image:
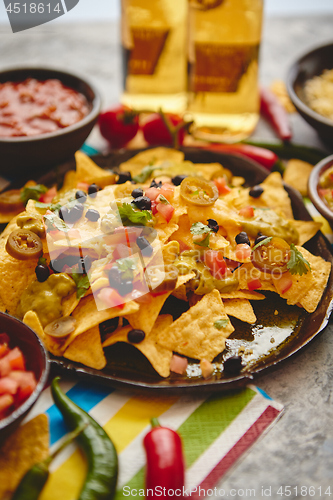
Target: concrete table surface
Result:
[298, 450]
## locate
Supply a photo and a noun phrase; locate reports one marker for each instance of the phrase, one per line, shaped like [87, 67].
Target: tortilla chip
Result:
[158, 356]
[243, 294]
[88, 171]
[31, 319]
[28, 445]
[240, 309]
[165, 230]
[70, 182]
[87, 349]
[15, 275]
[7, 216]
[170, 252]
[69, 303]
[155, 155]
[180, 293]
[306, 229]
[248, 272]
[297, 174]
[275, 196]
[320, 270]
[194, 333]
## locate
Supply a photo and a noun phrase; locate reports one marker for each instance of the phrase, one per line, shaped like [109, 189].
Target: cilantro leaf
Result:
[126, 265]
[82, 284]
[263, 242]
[32, 192]
[51, 206]
[42, 261]
[221, 323]
[54, 222]
[145, 173]
[200, 228]
[204, 242]
[163, 200]
[131, 217]
[297, 263]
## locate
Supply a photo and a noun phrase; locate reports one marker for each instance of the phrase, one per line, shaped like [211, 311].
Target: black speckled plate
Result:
[273, 339]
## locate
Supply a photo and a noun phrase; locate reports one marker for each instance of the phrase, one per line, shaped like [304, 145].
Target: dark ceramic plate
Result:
[274, 337]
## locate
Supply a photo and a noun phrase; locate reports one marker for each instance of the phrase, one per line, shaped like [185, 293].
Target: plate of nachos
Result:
[164, 269]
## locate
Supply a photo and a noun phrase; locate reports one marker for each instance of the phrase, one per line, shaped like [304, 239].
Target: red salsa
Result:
[16, 383]
[34, 107]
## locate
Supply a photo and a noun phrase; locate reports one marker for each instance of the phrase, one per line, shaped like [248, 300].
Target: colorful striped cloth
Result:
[216, 429]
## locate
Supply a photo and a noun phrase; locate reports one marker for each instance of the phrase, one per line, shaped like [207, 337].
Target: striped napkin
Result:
[216, 429]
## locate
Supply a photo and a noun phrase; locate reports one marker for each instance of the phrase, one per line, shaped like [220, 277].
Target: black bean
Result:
[136, 336]
[213, 225]
[256, 191]
[92, 215]
[142, 202]
[108, 326]
[155, 184]
[42, 272]
[63, 213]
[93, 190]
[260, 238]
[125, 287]
[145, 246]
[242, 238]
[124, 177]
[178, 179]
[75, 213]
[137, 192]
[114, 276]
[233, 365]
[81, 196]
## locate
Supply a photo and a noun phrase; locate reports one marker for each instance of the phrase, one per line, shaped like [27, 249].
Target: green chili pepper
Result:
[101, 479]
[34, 480]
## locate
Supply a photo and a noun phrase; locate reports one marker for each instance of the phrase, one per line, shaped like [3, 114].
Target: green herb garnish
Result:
[297, 263]
[145, 173]
[263, 242]
[204, 242]
[131, 217]
[200, 228]
[50, 206]
[126, 266]
[32, 192]
[82, 284]
[163, 200]
[41, 261]
[54, 222]
[221, 323]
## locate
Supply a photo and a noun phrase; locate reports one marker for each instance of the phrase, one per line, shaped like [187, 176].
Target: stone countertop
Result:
[298, 450]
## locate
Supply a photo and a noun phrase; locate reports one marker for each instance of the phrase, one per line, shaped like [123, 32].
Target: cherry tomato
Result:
[155, 131]
[272, 257]
[118, 125]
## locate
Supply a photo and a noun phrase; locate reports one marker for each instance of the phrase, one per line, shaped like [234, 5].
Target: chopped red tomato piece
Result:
[247, 212]
[178, 364]
[8, 386]
[111, 298]
[254, 284]
[221, 184]
[48, 196]
[152, 193]
[4, 367]
[16, 359]
[283, 283]
[3, 350]
[165, 210]
[83, 186]
[216, 263]
[167, 191]
[27, 386]
[6, 401]
[154, 207]
[243, 252]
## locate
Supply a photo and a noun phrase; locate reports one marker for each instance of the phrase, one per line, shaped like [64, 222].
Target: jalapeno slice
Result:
[272, 257]
[199, 191]
[23, 245]
[10, 201]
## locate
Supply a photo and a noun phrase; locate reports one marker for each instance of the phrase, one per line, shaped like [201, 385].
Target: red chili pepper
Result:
[272, 109]
[265, 157]
[165, 463]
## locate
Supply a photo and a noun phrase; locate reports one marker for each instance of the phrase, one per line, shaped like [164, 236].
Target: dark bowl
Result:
[36, 360]
[19, 154]
[320, 205]
[311, 64]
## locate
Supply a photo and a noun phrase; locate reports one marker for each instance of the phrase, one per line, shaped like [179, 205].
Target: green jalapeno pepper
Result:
[101, 479]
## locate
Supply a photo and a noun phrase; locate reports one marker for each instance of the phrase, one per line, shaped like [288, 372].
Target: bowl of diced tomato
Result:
[24, 370]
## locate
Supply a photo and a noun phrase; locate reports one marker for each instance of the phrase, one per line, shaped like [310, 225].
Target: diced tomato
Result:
[216, 263]
[4, 339]
[5, 368]
[221, 184]
[178, 364]
[152, 193]
[154, 207]
[48, 196]
[83, 186]
[323, 192]
[6, 401]
[111, 298]
[206, 368]
[8, 386]
[167, 191]
[165, 210]
[254, 284]
[122, 251]
[16, 359]
[3, 350]
[26, 387]
[283, 283]
[243, 252]
[247, 212]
